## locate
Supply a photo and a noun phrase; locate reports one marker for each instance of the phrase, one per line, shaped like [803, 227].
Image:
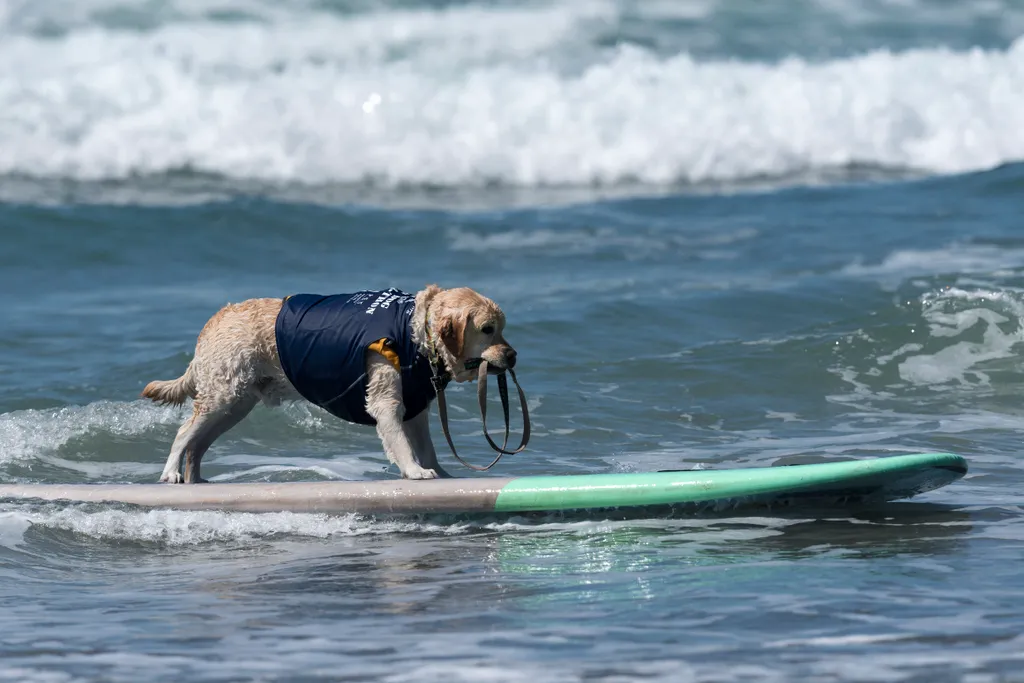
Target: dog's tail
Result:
[173, 391]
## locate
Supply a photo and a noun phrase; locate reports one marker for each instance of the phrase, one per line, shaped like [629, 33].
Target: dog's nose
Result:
[510, 357]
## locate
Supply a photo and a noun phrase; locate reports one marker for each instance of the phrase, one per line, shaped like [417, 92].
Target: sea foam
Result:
[26, 435]
[479, 96]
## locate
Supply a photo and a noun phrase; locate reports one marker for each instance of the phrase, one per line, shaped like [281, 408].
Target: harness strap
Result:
[383, 347]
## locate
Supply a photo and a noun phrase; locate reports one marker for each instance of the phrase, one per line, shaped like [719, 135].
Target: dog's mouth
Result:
[471, 364]
[499, 358]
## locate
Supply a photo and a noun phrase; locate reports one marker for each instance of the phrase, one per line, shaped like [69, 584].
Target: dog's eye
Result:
[487, 329]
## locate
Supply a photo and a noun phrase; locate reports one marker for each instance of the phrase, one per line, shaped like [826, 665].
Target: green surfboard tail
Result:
[875, 479]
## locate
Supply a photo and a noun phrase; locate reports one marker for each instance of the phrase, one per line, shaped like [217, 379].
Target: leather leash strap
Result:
[442, 413]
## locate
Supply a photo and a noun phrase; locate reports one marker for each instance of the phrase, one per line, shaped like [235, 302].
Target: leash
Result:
[481, 393]
[440, 381]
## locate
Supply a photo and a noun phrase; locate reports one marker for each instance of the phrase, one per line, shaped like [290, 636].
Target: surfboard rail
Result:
[868, 480]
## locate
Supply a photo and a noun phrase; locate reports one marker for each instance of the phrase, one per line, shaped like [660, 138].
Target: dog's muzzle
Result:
[492, 368]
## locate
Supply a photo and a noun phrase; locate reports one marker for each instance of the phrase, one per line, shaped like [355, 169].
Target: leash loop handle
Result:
[442, 413]
[481, 393]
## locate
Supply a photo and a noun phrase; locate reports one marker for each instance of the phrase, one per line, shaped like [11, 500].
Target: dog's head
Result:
[465, 326]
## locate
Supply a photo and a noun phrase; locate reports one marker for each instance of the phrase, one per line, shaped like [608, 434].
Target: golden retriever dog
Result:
[367, 357]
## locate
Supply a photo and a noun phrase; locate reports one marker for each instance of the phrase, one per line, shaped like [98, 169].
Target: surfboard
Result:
[827, 484]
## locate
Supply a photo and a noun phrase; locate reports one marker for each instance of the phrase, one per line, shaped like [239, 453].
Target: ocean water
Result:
[724, 234]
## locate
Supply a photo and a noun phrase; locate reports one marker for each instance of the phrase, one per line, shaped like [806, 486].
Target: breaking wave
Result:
[473, 96]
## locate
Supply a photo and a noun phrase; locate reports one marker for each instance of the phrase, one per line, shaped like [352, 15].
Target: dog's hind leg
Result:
[209, 428]
[198, 433]
[172, 468]
[234, 361]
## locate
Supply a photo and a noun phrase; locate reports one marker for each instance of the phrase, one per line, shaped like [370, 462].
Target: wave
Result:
[960, 343]
[115, 441]
[478, 96]
[569, 241]
[960, 258]
[182, 528]
[178, 528]
[959, 316]
[26, 435]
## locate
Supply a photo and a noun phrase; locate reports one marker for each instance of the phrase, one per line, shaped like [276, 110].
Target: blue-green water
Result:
[722, 235]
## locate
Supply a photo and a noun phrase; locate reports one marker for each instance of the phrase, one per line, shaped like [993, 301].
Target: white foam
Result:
[785, 417]
[26, 434]
[12, 529]
[262, 471]
[970, 330]
[951, 313]
[476, 95]
[178, 528]
[562, 242]
[841, 641]
[28, 675]
[953, 258]
[184, 528]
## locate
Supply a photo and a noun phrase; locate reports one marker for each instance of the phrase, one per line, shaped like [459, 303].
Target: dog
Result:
[367, 357]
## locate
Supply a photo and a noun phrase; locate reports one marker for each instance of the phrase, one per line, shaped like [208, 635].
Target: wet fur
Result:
[236, 365]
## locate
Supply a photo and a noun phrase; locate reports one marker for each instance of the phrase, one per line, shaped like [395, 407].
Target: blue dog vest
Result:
[322, 342]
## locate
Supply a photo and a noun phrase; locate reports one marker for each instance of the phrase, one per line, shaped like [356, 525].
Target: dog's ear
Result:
[453, 332]
[429, 292]
[425, 297]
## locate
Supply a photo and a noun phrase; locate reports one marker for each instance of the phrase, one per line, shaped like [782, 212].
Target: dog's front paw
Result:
[419, 473]
[171, 478]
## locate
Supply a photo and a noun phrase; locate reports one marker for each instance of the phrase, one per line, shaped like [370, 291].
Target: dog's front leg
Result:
[384, 404]
[417, 430]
